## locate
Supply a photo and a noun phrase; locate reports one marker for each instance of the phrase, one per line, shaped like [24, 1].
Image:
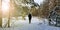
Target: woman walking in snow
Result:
[29, 16]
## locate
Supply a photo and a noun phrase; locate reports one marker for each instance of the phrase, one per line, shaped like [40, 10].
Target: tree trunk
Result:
[0, 14]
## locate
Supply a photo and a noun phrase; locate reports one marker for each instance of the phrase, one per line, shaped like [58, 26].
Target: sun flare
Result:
[5, 5]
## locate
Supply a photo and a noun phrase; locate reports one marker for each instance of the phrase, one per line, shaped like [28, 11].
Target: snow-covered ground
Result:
[36, 24]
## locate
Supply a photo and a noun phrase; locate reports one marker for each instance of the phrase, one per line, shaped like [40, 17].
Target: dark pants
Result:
[29, 20]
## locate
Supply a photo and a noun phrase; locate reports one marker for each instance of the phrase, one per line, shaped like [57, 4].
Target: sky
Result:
[39, 1]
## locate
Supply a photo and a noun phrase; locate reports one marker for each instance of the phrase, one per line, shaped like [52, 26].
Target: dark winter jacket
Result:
[29, 16]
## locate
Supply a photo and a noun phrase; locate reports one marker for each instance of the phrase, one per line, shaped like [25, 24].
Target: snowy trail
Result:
[24, 25]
